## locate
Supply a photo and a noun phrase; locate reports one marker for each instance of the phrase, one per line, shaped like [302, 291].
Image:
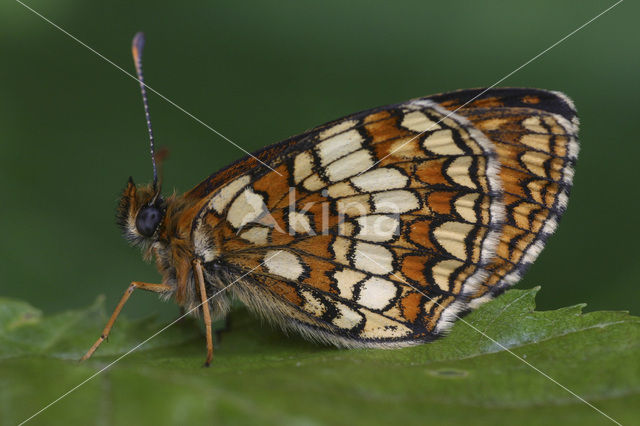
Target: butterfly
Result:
[376, 230]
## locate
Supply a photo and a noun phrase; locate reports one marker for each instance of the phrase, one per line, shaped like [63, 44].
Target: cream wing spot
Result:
[283, 264]
[534, 124]
[341, 189]
[494, 123]
[341, 247]
[349, 165]
[539, 142]
[312, 304]
[220, 201]
[382, 179]
[338, 146]
[394, 312]
[376, 293]
[378, 228]
[347, 318]
[373, 258]
[299, 223]
[346, 229]
[442, 271]
[451, 236]
[380, 327]
[465, 207]
[302, 167]
[459, 171]
[346, 279]
[442, 143]
[534, 162]
[395, 202]
[246, 208]
[417, 121]
[338, 128]
[354, 206]
[313, 183]
[257, 235]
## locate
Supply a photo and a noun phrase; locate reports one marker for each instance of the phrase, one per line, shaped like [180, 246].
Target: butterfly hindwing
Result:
[535, 136]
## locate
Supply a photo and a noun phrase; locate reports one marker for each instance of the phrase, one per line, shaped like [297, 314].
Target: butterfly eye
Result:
[147, 220]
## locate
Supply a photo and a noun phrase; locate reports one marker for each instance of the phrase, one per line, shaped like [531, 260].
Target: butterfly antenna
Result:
[137, 46]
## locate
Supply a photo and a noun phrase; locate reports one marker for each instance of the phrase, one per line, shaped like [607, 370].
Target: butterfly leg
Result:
[197, 268]
[156, 288]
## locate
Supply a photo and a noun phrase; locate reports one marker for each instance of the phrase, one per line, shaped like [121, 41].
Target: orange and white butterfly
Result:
[376, 230]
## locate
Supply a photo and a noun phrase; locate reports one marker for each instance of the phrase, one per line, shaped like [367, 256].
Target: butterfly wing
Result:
[372, 230]
[535, 134]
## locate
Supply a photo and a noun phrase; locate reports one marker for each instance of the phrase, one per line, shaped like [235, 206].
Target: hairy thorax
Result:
[174, 252]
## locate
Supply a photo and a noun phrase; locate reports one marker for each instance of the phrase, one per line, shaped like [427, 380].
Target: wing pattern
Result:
[380, 228]
[535, 134]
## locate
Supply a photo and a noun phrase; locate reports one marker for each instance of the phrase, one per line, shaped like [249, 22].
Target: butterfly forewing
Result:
[380, 228]
[375, 229]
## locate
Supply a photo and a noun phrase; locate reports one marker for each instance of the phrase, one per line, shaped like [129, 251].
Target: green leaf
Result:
[261, 376]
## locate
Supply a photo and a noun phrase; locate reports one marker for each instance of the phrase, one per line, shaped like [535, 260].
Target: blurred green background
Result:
[73, 128]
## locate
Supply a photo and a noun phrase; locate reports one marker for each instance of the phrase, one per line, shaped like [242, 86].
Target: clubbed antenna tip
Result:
[137, 45]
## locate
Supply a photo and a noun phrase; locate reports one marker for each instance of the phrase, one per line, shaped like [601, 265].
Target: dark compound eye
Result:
[147, 220]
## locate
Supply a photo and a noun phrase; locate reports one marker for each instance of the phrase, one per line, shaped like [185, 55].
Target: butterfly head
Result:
[140, 213]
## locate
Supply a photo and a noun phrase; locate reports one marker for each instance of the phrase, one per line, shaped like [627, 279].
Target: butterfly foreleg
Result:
[156, 288]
